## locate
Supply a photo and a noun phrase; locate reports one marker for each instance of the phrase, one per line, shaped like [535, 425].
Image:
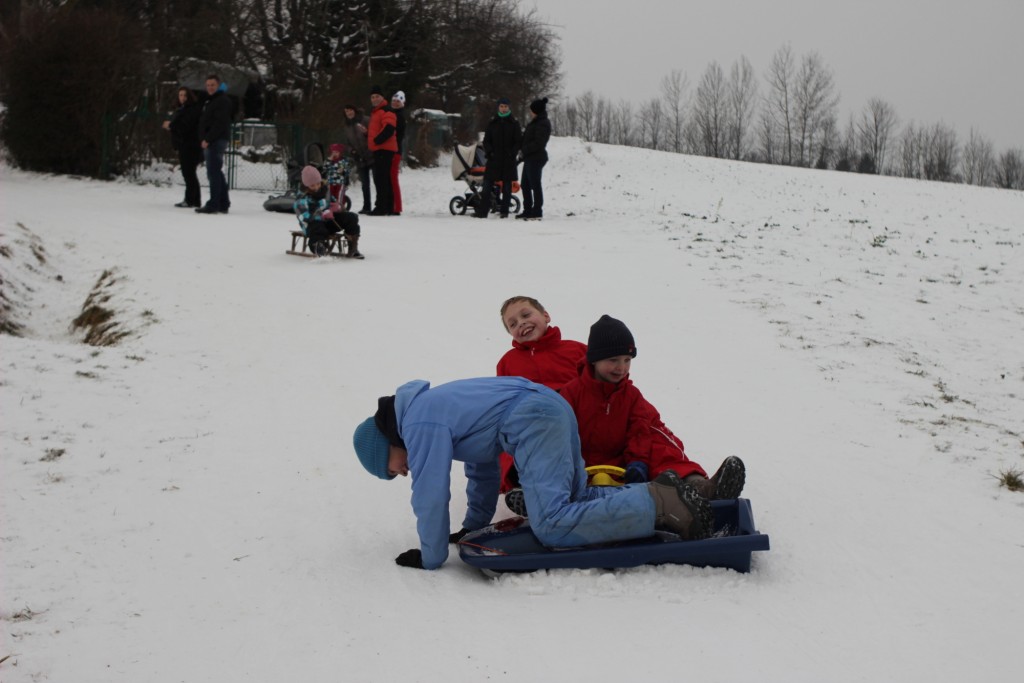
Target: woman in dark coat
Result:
[535, 155]
[184, 127]
[501, 145]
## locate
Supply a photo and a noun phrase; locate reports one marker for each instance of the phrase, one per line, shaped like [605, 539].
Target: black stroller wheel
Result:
[514, 205]
[457, 206]
[347, 204]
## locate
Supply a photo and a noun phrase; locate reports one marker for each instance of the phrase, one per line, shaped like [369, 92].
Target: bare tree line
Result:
[789, 116]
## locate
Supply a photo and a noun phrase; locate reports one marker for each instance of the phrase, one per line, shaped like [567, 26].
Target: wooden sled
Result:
[337, 245]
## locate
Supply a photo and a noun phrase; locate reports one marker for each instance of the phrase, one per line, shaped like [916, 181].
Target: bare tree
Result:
[939, 153]
[768, 138]
[876, 126]
[622, 124]
[710, 111]
[586, 105]
[651, 124]
[779, 104]
[910, 151]
[742, 98]
[673, 88]
[977, 164]
[815, 100]
[1009, 172]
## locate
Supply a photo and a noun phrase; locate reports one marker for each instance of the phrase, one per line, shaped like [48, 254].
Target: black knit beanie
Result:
[609, 337]
[539, 106]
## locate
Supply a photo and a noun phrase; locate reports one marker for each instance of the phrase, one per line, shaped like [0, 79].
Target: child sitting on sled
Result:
[619, 427]
[539, 354]
[336, 172]
[320, 218]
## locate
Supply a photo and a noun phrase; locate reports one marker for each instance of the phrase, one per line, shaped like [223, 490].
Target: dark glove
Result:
[410, 558]
[457, 536]
[636, 472]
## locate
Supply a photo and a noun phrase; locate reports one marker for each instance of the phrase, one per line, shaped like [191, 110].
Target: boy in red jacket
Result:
[540, 355]
[619, 427]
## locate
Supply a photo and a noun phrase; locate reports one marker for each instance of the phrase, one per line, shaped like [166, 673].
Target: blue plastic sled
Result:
[510, 546]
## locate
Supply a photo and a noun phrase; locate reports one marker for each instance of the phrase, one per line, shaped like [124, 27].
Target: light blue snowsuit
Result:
[473, 421]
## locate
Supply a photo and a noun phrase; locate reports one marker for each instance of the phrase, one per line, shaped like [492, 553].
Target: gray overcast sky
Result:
[957, 61]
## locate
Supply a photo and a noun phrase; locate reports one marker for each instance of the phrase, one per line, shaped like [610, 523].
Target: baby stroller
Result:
[468, 162]
[312, 155]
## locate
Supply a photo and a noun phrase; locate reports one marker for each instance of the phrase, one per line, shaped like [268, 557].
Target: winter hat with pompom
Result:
[311, 176]
[539, 106]
[400, 96]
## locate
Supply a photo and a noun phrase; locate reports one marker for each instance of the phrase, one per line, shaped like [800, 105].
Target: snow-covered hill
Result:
[186, 506]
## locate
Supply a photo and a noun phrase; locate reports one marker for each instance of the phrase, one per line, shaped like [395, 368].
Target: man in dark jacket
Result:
[501, 145]
[215, 132]
[356, 127]
[535, 155]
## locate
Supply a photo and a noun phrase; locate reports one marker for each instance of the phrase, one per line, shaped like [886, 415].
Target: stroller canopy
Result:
[467, 160]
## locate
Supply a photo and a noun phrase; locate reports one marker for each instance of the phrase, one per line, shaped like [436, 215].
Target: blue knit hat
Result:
[372, 448]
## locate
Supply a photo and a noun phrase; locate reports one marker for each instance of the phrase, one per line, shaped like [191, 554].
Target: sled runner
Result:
[510, 546]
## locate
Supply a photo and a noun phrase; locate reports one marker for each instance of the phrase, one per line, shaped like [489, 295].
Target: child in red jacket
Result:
[538, 351]
[619, 427]
[540, 355]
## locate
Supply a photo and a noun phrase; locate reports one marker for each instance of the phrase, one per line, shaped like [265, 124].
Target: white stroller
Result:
[468, 163]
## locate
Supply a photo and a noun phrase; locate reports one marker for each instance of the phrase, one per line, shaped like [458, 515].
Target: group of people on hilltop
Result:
[505, 146]
[200, 132]
[556, 407]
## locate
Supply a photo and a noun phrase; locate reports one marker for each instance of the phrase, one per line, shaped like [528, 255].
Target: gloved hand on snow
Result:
[457, 536]
[636, 471]
[410, 558]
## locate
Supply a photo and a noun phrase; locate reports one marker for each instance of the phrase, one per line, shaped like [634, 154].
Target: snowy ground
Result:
[186, 506]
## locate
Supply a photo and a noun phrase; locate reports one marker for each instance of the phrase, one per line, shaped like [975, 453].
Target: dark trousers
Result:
[385, 203]
[492, 176]
[189, 160]
[533, 193]
[318, 231]
[214, 156]
[364, 181]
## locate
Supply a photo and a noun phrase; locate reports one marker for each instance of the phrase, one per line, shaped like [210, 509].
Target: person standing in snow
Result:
[319, 217]
[422, 430]
[398, 107]
[215, 133]
[356, 126]
[380, 138]
[501, 145]
[184, 128]
[534, 154]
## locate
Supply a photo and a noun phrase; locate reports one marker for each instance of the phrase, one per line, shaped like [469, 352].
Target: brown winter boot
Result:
[353, 246]
[679, 508]
[725, 484]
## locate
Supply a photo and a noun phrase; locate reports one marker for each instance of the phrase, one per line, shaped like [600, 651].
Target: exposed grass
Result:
[1012, 479]
[99, 322]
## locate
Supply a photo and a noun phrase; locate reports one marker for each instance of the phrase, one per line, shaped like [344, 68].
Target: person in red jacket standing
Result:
[540, 355]
[618, 426]
[383, 145]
